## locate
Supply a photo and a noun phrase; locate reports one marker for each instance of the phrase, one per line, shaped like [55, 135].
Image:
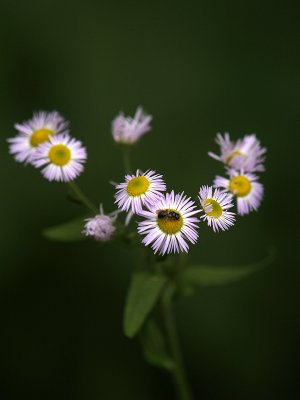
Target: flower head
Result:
[215, 206]
[245, 188]
[246, 153]
[35, 131]
[170, 224]
[139, 190]
[127, 130]
[101, 227]
[62, 158]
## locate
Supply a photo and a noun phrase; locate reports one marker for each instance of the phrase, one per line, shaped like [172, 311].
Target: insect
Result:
[173, 215]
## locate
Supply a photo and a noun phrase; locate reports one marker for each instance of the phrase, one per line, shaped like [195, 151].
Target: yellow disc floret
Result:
[59, 155]
[214, 206]
[39, 136]
[240, 185]
[137, 186]
[232, 155]
[171, 222]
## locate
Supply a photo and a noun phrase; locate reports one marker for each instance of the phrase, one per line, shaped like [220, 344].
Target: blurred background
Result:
[199, 68]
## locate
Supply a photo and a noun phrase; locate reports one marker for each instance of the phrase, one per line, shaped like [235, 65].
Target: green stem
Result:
[179, 375]
[82, 197]
[126, 159]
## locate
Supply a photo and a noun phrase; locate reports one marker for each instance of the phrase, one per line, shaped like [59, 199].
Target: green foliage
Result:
[143, 293]
[154, 346]
[67, 232]
[205, 275]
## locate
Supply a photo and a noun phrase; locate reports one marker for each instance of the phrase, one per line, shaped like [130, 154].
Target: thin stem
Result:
[82, 197]
[126, 159]
[179, 375]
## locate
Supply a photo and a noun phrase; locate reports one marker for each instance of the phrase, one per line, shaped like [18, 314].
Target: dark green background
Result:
[198, 68]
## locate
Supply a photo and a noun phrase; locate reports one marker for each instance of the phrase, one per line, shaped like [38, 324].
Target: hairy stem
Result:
[179, 375]
[82, 197]
[126, 159]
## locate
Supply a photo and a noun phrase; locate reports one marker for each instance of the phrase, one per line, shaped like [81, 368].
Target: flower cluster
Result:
[241, 159]
[167, 220]
[44, 141]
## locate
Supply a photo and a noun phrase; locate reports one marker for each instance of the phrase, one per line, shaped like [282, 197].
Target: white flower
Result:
[170, 224]
[215, 206]
[127, 130]
[101, 227]
[246, 153]
[244, 186]
[139, 190]
[62, 158]
[35, 131]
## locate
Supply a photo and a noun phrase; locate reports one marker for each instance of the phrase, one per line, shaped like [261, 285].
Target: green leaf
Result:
[204, 275]
[154, 346]
[67, 232]
[142, 296]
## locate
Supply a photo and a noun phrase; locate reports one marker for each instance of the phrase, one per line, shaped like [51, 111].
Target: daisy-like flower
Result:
[170, 223]
[139, 190]
[101, 227]
[127, 130]
[35, 131]
[244, 186]
[246, 153]
[215, 206]
[62, 158]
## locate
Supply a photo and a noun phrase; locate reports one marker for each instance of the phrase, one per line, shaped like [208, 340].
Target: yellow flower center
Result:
[137, 186]
[169, 221]
[240, 185]
[59, 155]
[232, 155]
[216, 211]
[39, 136]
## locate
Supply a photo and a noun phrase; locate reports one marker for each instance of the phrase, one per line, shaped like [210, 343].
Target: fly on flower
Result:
[246, 153]
[139, 190]
[245, 188]
[62, 158]
[35, 131]
[127, 130]
[170, 223]
[215, 206]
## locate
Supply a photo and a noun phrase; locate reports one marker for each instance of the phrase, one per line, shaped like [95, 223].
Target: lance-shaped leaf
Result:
[154, 346]
[67, 232]
[143, 293]
[205, 275]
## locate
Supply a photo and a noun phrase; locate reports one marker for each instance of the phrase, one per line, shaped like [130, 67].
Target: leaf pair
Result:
[145, 288]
